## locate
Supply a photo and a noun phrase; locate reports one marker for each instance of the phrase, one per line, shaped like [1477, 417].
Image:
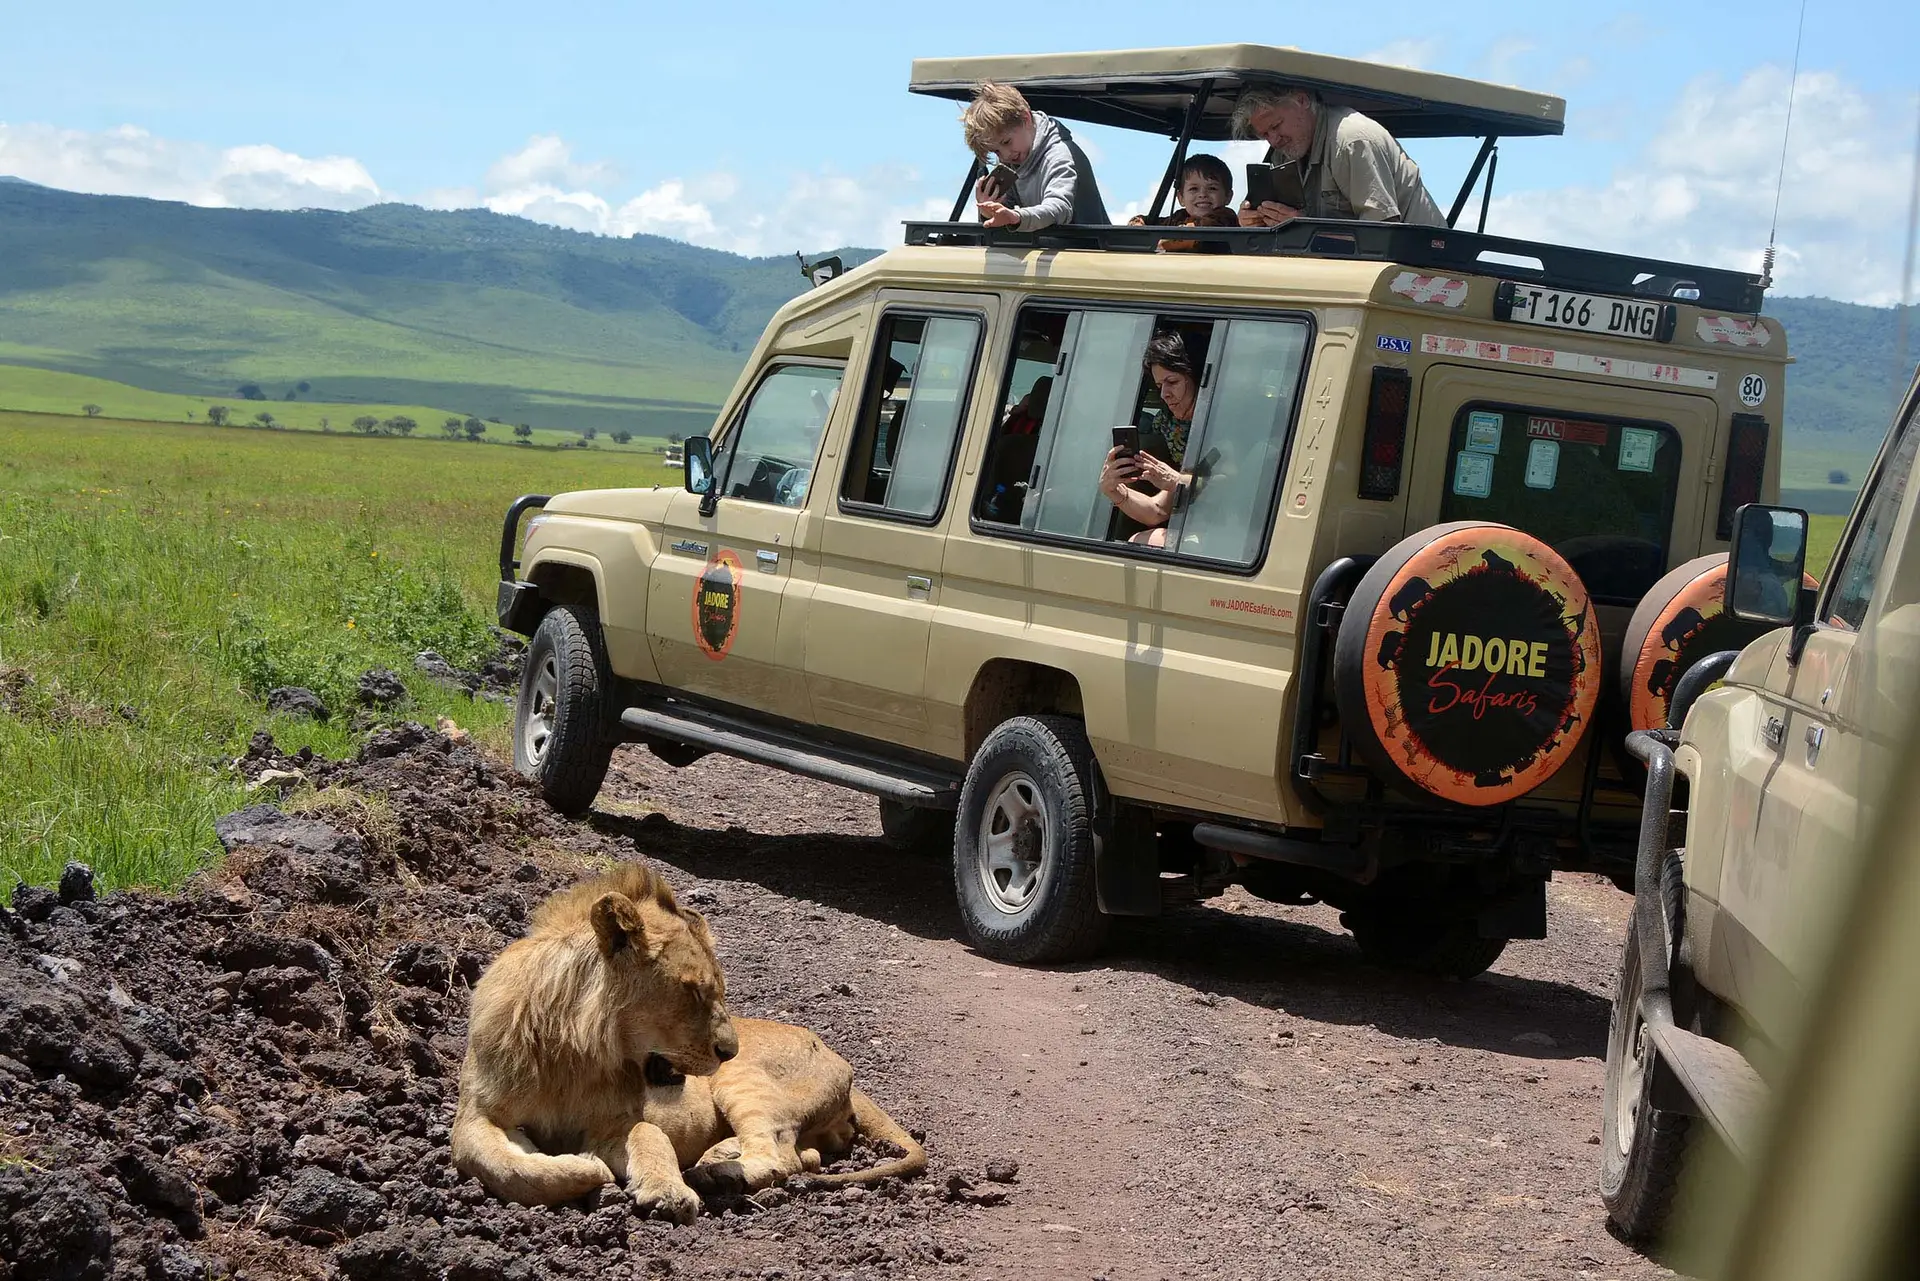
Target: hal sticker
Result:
[1543, 463]
[1483, 432]
[1473, 475]
[1636, 448]
[716, 605]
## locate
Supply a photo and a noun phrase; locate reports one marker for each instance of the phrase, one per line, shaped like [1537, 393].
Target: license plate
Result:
[1587, 313]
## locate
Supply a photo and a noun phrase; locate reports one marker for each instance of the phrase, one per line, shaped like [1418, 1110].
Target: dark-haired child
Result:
[1206, 200]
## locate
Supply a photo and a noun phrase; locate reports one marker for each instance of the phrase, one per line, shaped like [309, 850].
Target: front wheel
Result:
[560, 722]
[1641, 1146]
[1419, 943]
[1023, 851]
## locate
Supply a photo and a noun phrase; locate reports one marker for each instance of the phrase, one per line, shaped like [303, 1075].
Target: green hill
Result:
[492, 315]
[504, 318]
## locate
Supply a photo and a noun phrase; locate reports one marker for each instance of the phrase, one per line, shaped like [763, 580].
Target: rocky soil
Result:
[254, 1078]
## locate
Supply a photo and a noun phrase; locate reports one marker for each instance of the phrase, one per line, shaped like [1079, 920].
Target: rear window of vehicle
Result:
[1600, 491]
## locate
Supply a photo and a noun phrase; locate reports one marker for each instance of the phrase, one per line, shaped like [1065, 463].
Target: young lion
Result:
[556, 1096]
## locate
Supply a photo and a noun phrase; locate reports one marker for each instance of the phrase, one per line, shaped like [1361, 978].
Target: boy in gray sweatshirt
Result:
[1052, 179]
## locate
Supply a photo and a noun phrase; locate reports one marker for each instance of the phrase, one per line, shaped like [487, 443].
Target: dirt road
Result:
[1229, 1092]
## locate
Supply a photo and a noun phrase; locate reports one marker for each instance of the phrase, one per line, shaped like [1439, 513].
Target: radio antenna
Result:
[1793, 84]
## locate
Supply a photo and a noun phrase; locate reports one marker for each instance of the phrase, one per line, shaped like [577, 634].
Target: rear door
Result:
[716, 590]
[881, 536]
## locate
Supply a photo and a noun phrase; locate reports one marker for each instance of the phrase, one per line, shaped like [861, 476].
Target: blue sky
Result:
[770, 127]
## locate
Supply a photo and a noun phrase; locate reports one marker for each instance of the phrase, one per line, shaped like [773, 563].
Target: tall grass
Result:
[157, 580]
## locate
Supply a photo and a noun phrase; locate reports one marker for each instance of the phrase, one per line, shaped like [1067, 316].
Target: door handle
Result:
[690, 547]
[769, 561]
[919, 583]
[1773, 731]
[1816, 738]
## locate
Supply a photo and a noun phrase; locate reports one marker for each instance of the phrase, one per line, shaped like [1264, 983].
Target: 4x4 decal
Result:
[716, 605]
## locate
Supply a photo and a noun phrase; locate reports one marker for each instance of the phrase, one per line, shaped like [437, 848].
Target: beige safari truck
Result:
[1374, 655]
[1751, 809]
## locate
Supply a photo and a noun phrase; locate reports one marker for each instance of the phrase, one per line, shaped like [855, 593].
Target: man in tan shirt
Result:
[1350, 166]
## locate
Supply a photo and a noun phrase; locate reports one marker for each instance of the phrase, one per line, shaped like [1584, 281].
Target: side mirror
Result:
[697, 464]
[1764, 571]
[821, 270]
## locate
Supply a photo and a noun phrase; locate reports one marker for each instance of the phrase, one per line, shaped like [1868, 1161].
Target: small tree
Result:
[399, 425]
[622, 436]
[249, 391]
[589, 433]
[289, 395]
[365, 424]
[91, 411]
[475, 429]
[452, 428]
[217, 415]
[523, 431]
[264, 418]
[326, 424]
[1837, 477]
[674, 438]
[303, 387]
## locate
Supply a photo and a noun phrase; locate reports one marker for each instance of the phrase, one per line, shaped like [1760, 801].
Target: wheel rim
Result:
[1011, 849]
[1632, 1049]
[538, 731]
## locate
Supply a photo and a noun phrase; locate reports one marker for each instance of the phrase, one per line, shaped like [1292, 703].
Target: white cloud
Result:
[129, 161]
[545, 160]
[1416, 53]
[1702, 190]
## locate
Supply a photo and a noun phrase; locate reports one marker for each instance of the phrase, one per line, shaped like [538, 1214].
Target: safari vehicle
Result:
[1751, 808]
[1432, 474]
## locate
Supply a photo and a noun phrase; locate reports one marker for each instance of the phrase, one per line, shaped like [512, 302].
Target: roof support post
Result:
[1195, 109]
[1486, 192]
[1487, 145]
[966, 190]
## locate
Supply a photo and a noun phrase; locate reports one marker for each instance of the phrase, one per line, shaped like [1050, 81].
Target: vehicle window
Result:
[768, 457]
[916, 395]
[1044, 463]
[1237, 451]
[1599, 491]
[1866, 552]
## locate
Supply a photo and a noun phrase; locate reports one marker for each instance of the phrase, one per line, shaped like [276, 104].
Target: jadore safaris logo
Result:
[716, 605]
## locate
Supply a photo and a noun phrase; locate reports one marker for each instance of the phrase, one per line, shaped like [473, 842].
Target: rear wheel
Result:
[1423, 943]
[560, 722]
[1023, 853]
[916, 829]
[1641, 1146]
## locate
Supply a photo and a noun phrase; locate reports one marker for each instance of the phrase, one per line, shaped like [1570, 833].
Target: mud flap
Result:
[1518, 913]
[1126, 864]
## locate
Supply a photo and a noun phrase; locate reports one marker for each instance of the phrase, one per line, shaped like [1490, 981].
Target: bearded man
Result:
[1350, 166]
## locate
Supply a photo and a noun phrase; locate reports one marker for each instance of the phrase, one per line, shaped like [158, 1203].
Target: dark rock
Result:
[318, 862]
[319, 1208]
[153, 1182]
[177, 1263]
[392, 742]
[57, 1027]
[52, 1228]
[379, 687]
[33, 903]
[1003, 1170]
[266, 825]
[395, 1254]
[254, 949]
[76, 883]
[288, 995]
[297, 700]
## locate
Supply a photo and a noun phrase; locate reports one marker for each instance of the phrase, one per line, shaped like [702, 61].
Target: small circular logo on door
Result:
[716, 605]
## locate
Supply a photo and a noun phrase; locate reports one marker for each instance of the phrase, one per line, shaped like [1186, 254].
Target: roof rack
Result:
[1438, 248]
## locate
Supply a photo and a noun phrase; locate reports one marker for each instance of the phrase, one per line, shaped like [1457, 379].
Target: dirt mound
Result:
[256, 1077]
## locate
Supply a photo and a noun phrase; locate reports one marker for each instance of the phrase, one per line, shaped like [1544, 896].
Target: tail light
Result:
[1385, 445]
[1746, 467]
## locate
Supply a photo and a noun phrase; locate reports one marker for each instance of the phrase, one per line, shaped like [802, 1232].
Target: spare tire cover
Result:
[1680, 621]
[1468, 662]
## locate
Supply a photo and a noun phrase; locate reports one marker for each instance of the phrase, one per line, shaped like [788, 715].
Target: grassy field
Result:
[1823, 533]
[49, 391]
[156, 580]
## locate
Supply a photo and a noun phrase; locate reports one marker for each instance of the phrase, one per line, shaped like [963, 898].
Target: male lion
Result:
[556, 1097]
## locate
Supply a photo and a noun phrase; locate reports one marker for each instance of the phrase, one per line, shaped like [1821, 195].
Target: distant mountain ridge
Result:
[503, 317]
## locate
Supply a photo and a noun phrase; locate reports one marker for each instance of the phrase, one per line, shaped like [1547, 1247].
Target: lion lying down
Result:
[556, 1096]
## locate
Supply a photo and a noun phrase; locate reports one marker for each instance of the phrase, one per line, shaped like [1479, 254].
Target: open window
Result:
[768, 456]
[916, 400]
[1076, 375]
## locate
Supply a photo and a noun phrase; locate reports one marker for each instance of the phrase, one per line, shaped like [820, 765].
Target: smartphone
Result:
[1279, 183]
[1127, 439]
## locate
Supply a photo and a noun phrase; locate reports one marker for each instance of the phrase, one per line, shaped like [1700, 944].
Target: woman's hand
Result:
[1156, 472]
[1119, 469]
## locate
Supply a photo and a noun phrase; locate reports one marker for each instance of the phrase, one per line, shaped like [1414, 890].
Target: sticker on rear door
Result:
[716, 605]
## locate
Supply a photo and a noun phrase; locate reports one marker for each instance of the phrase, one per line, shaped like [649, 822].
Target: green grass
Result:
[156, 579]
[50, 391]
[1823, 535]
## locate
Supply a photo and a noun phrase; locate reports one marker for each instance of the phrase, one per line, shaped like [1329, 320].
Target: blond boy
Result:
[1052, 180]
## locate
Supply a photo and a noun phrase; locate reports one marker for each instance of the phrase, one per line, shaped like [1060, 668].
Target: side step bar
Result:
[849, 767]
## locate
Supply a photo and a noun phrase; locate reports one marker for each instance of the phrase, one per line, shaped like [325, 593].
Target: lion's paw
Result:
[719, 1179]
[674, 1202]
